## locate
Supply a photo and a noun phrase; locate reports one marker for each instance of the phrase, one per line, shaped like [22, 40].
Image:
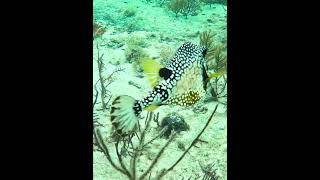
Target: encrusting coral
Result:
[98, 29]
[184, 7]
[134, 50]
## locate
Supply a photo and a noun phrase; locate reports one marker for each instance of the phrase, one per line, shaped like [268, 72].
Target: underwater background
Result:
[125, 34]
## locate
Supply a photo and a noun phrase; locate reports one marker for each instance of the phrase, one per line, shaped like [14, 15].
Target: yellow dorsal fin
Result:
[151, 69]
[151, 108]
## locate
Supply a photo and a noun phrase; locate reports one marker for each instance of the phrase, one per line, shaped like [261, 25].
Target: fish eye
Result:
[165, 73]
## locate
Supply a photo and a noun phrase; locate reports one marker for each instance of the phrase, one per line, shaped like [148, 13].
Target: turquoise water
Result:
[126, 35]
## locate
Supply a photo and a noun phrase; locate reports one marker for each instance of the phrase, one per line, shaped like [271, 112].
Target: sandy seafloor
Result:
[159, 28]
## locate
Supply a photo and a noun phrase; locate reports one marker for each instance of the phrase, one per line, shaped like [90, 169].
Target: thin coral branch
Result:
[120, 160]
[223, 88]
[96, 97]
[162, 2]
[164, 172]
[102, 80]
[209, 172]
[139, 128]
[206, 39]
[95, 116]
[160, 134]
[103, 147]
[105, 82]
[134, 162]
[109, 100]
[139, 149]
[156, 120]
[158, 156]
[95, 119]
[151, 115]
[213, 92]
[110, 77]
[216, 80]
[137, 135]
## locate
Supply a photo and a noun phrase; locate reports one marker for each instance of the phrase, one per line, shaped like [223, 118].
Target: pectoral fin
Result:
[214, 75]
[151, 68]
[151, 108]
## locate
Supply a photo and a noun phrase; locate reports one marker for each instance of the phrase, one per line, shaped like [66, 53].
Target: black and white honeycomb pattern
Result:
[185, 56]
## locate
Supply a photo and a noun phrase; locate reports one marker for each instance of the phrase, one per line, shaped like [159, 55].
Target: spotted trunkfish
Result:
[182, 82]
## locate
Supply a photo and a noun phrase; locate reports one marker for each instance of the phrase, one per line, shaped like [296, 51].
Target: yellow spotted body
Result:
[189, 89]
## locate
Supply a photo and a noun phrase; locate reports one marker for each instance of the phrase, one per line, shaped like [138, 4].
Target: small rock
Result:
[173, 122]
